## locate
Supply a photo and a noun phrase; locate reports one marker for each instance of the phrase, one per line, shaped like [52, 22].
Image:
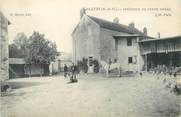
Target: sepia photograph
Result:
[90, 58]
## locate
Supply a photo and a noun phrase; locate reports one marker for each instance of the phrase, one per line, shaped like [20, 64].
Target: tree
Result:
[40, 50]
[19, 47]
[13, 51]
[35, 49]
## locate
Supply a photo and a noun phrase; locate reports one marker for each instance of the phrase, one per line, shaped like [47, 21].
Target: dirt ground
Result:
[92, 96]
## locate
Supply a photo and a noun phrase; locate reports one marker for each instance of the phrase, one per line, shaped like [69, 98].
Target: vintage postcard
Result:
[90, 58]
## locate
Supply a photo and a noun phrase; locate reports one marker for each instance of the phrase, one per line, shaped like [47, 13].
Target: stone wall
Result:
[86, 40]
[107, 42]
[124, 51]
[4, 62]
[91, 40]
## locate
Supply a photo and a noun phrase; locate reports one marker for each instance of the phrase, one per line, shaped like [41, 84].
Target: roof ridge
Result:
[127, 29]
[108, 21]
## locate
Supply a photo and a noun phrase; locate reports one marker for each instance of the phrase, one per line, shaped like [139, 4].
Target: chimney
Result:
[82, 12]
[145, 31]
[132, 25]
[116, 20]
[158, 34]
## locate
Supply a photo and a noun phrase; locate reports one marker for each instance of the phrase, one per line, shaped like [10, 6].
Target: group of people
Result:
[72, 72]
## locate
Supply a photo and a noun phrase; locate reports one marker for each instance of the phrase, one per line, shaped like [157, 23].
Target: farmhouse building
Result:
[101, 40]
[19, 68]
[161, 51]
[95, 38]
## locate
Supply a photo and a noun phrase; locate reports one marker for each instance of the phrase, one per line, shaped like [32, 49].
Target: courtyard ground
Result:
[92, 96]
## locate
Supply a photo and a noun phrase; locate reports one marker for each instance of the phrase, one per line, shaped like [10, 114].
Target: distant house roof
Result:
[162, 39]
[115, 26]
[65, 56]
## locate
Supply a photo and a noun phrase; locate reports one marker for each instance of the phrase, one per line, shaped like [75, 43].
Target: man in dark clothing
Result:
[73, 70]
[110, 62]
[65, 70]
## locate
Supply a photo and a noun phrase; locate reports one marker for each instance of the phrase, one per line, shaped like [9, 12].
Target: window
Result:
[130, 59]
[129, 42]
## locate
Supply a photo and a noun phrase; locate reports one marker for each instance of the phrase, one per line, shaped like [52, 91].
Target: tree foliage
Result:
[35, 49]
[18, 48]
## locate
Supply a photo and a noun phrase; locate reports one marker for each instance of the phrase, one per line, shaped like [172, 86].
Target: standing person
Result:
[65, 70]
[110, 62]
[73, 70]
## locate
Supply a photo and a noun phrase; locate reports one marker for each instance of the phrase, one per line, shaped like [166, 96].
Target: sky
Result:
[58, 18]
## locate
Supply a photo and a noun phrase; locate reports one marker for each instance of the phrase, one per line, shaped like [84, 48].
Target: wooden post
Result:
[146, 62]
[171, 60]
[180, 58]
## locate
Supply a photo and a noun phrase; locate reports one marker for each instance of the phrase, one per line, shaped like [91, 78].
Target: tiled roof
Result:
[162, 39]
[116, 27]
